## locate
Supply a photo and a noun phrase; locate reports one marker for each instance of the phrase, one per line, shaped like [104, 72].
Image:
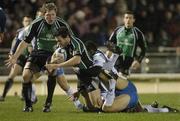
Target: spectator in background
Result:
[2, 24]
[146, 11]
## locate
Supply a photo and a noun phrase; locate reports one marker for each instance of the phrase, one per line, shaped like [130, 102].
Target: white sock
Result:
[110, 94]
[33, 93]
[69, 92]
[109, 98]
[103, 95]
[112, 84]
[76, 102]
[151, 109]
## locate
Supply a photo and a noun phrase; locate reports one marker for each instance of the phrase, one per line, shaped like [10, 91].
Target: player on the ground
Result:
[126, 97]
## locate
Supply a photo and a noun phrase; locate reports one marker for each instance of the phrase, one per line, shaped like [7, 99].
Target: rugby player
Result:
[126, 97]
[126, 39]
[18, 67]
[43, 29]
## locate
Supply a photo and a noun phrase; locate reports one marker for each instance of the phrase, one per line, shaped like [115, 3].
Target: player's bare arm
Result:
[71, 62]
[13, 58]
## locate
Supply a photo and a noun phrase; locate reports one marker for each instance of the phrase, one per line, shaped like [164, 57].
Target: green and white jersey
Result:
[128, 40]
[77, 48]
[44, 33]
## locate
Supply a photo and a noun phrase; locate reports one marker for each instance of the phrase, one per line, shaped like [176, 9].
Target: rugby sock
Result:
[76, 102]
[8, 85]
[112, 84]
[27, 89]
[51, 84]
[151, 109]
[69, 92]
[109, 99]
[110, 94]
[103, 95]
[33, 93]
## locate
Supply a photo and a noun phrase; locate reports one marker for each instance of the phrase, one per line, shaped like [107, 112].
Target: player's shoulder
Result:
[38, 20]
[119, 29]
[99, 53]
[20, 29]
[76, 41]
[60, 20]
[137, 29]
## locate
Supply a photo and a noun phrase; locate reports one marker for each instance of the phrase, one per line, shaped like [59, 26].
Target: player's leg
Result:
[27, 87]
[126, 99]
[153, 108]
[95, 98]
[33, 93]
[66, 87]
[120, 103]
[89, 107]
[9, 82]
[84, 87]
[51, 83]
[109, 82]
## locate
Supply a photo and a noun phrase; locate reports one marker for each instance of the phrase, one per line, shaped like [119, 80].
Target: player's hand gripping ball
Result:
[59, 56]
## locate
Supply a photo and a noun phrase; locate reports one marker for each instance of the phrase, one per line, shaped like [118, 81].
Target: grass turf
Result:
[63, 110]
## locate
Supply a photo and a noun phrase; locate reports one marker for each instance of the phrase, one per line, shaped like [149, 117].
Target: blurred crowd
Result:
[96, 19]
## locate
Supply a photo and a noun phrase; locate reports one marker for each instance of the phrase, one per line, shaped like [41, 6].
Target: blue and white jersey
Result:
[101, 59]
[21, 34]
[109, 65]
[16, 41]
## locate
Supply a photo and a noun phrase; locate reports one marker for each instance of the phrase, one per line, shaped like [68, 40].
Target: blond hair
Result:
[48, 7]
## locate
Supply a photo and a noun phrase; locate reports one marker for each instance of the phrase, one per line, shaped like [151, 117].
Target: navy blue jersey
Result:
[2, 20]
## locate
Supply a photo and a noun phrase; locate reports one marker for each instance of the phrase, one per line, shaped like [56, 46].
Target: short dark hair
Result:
[63, 32]
[129, 12]
[28, 16]
[91, 46]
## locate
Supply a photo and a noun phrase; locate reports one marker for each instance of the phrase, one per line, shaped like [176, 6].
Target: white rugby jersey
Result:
[101, 59]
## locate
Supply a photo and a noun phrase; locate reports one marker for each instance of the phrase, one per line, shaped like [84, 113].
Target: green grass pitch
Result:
[63, 110]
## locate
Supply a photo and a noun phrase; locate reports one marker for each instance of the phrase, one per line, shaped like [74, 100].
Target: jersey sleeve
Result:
[78, 46]
[112, 38]
[21, 35]
[31, 32]
[98, 60]
[2, 20]
[62, 23]
[16, 42]
[142, 44]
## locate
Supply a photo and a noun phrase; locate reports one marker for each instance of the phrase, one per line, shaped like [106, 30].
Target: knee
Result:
[27, 77]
